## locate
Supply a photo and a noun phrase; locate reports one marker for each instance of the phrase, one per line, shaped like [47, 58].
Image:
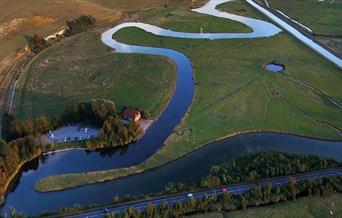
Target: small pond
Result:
[273, 67]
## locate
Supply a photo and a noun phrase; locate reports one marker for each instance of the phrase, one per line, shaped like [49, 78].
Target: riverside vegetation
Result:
[226, 202]
[98, 113]
[21, 136]
[12, 156]
[242, 169]
[246, 168]
[234, 93]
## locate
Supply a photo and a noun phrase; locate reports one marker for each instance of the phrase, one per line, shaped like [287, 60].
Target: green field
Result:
[84, 62]
[83, 68]
[179, 18]
[322, 17]
[234, 94]
[318, 207]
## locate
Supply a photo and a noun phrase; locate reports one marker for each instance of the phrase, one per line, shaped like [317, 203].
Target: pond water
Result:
[274, 67]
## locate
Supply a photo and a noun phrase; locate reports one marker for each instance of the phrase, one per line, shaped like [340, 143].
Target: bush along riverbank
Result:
[263, 165]
[13, 155]
[21, 138]
[98, 113]
[243, 169]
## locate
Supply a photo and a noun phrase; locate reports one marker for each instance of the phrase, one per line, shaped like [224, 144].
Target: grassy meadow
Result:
[323, 17]
[83, 68]
[318, 207]
[19, 19]
[234, 94]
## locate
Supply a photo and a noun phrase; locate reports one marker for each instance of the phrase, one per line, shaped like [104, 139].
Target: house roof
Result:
[130, 113]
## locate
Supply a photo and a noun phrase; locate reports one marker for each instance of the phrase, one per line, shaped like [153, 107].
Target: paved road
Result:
[233, 189]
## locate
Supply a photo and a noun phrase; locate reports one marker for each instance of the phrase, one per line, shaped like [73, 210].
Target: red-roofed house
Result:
[131, 114]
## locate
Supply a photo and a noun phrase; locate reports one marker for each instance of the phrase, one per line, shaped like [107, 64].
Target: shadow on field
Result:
[31, 104]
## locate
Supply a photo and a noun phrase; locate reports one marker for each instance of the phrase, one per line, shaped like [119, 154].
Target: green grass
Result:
[239, 7]
[318, 207]
[207, 215]
[322, 17]
[234, 94]
[65, 145]
[83, 68]
[181, 19]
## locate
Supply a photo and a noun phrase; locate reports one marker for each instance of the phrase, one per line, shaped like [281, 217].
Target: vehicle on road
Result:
[224, 190]
[106, 211]
[190, 195]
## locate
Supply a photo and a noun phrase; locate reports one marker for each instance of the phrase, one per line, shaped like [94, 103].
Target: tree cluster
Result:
[13, 128]
[115, 133]
[224, 202]
[37, 43]
[94, 112]
[13, 154]
[80, 24]
[263, 165]
[102, 113]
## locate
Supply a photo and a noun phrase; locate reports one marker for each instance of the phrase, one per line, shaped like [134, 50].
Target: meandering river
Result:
[25, 199]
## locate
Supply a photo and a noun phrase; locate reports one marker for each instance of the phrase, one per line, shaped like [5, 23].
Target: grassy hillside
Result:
[21, 19]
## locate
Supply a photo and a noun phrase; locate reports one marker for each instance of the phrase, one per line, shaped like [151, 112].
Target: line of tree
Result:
[37, 43]
[80, 24]
[263, 165]
[94, 112]
[13, 154]
[240, 167]
[227, 202]
[13, 128]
